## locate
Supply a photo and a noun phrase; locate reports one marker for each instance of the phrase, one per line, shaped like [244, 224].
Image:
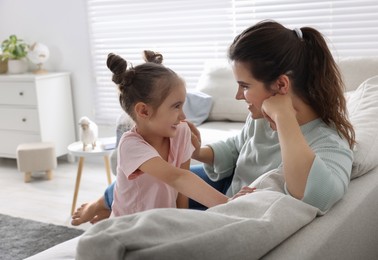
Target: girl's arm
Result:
[184, 182]
[182, 201]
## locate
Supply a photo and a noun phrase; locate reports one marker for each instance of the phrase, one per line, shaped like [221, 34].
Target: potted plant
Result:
[15, 51]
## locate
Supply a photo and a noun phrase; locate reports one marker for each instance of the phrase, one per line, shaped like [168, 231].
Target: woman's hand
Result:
[244, 191]
[276, 105]
[196, 138]
[201, 153]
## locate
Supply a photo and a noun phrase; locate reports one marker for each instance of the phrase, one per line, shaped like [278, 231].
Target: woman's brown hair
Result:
[271, 50]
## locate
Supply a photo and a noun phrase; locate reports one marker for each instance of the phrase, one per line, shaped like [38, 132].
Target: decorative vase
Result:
[17, 66]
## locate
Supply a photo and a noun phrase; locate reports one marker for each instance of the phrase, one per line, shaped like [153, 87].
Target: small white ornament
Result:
[88, 132]
[38, 54]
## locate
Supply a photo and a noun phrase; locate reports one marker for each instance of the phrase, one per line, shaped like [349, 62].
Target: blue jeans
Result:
[221, 186]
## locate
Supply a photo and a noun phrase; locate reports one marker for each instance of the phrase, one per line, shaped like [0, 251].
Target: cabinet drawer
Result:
[17, 94]
[10, 140]
[19, 119]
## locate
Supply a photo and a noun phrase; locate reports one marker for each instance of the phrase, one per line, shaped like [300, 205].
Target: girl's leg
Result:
[108, 196]
[221, 185]
[96, 210]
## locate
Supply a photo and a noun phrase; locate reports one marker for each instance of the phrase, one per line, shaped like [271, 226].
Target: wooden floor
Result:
[45, 200]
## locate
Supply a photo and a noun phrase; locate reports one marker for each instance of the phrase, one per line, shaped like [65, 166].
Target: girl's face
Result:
[169, 114]
[249, 89]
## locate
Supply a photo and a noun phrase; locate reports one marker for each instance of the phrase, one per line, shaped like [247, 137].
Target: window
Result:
[188, 33]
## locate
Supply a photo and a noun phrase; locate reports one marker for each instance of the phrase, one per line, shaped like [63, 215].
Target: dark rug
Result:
[21, 238]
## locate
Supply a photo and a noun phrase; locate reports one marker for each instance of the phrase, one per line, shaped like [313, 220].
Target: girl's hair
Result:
[271, 50]
[150, 82]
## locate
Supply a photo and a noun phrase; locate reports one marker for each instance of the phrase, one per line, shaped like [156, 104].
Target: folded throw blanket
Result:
[245, 228]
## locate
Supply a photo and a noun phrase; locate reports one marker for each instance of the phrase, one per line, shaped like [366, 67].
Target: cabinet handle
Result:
[24, 120]
[21, 93]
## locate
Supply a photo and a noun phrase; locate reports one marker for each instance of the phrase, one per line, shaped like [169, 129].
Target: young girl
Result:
[154, 156]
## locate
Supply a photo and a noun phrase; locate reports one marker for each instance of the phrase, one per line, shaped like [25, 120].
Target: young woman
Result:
[298, 122]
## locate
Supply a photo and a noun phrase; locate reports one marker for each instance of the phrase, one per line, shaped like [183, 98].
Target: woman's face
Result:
[249, 89]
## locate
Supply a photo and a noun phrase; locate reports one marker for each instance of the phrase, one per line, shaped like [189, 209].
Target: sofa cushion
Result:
[217, 80]
[197, 106]
[362, 106]
[356, 70]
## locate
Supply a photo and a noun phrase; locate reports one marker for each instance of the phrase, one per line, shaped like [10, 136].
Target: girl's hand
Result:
[279, 104]
[196, 137]
[244, 190]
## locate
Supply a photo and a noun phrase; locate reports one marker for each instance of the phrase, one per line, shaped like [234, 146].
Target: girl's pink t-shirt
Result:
[142, 191]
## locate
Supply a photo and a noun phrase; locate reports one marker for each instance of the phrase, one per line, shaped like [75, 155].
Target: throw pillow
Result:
[124, 123]
[217, 80]
[362, 106]
[197, 106]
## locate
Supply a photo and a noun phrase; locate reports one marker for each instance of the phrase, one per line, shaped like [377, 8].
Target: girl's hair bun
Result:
[118, 66]
[116, 63]
[151, 56]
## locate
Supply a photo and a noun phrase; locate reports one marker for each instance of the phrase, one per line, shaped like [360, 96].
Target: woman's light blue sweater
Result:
[256, 150]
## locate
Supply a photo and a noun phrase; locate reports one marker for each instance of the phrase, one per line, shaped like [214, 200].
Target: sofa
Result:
[235, 230]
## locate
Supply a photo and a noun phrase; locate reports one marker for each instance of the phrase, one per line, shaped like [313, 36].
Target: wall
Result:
[62, 26]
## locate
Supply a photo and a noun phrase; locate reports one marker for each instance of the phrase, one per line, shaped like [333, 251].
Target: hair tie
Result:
[299, 33]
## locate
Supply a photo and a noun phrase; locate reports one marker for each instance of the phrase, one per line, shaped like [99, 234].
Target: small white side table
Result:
[76, 149]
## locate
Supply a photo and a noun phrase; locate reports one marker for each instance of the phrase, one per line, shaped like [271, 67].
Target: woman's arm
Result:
[182, 201]
[316, 166]
[220, 157]
[184, 182]
[297, 155]
[205, 154]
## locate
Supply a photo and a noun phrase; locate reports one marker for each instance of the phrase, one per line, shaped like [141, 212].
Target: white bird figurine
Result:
[88, 132]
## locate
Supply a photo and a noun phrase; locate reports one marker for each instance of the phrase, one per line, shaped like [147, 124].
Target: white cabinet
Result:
[35, 108]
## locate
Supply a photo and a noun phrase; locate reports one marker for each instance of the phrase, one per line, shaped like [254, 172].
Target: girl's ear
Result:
[283, 84]
[142, 110]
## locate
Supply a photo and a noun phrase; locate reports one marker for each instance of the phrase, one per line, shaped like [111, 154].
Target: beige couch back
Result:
[356, 70]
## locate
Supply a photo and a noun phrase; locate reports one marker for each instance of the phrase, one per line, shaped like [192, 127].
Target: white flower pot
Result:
[3, 66]
[17, 66]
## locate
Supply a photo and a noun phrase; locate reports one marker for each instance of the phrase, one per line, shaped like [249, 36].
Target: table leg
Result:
[108, 171]
[77, 184]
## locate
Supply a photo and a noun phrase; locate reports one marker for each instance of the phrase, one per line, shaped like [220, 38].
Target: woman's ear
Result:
[283, 84]
[142, 110]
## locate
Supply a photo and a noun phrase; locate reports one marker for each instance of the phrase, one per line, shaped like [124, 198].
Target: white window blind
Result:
[189, 32]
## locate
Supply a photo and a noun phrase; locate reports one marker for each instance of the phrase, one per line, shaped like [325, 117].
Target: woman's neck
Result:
[305, 113]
